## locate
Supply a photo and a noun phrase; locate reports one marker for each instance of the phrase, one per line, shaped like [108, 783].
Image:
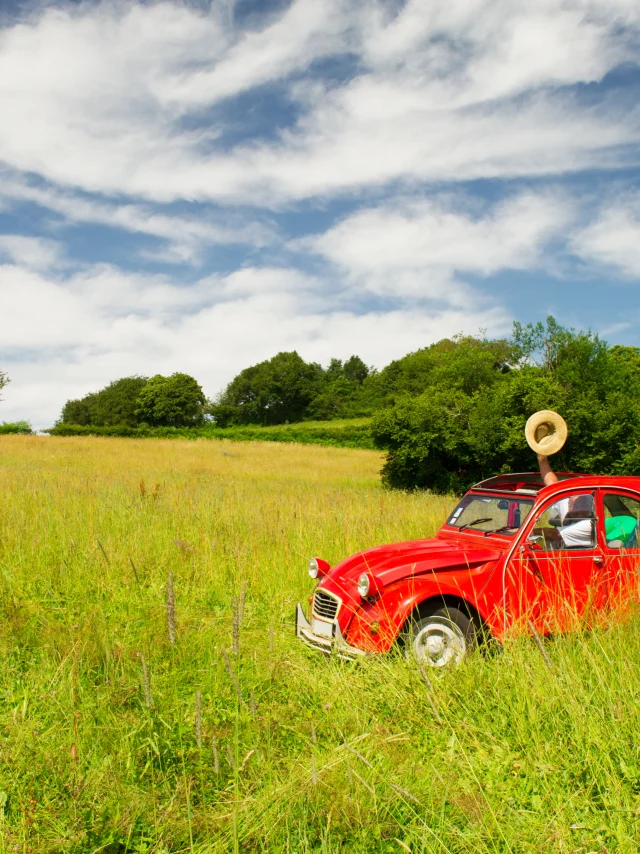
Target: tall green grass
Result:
[236, 738]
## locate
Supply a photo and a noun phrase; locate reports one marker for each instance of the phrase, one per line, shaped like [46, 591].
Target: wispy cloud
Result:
[96, 96]
[31, 252]
[613, 239]
[185, 237]
[416, 247]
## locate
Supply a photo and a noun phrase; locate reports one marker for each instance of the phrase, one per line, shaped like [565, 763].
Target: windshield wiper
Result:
[499, 530]
[475, 522]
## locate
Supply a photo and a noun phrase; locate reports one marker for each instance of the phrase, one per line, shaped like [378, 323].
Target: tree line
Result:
[284, 389]
[175, 401]
[447, 415]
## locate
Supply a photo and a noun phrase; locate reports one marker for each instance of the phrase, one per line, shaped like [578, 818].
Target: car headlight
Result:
[364, 583]
[318, 568]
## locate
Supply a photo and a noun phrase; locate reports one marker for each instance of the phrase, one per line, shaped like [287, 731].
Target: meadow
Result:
[155, 698]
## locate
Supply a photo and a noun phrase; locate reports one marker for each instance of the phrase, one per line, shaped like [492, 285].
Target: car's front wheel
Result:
[442, 638]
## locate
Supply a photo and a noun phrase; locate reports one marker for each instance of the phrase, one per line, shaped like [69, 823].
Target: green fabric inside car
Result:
[620, 528]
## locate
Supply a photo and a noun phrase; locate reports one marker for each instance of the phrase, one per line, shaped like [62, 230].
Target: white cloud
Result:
[485, 49]
[613, 239]
[66, 336]
[415, 247]
[93, 96]
[31, 252]
[96, 96]
[307, 30]
[185, 236]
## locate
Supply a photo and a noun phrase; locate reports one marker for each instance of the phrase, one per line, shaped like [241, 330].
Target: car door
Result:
[560, 564]
[620, 537]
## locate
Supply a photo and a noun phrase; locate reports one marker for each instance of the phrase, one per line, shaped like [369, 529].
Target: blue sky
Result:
[194, 186]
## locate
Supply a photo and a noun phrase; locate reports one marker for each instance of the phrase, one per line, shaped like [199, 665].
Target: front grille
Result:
[325, 605]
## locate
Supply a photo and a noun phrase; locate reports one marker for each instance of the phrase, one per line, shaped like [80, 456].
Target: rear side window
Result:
[621, 520]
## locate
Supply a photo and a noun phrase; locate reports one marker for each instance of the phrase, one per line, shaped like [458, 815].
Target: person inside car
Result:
[569, 522]
[574, 526]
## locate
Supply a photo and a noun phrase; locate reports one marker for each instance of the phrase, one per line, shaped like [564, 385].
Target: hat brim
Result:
[546, 432]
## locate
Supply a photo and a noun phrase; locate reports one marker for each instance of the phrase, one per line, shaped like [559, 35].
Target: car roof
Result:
[531, 483]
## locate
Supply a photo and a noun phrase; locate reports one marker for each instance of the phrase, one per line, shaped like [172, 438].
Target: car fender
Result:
[377, 625]
[466, 585]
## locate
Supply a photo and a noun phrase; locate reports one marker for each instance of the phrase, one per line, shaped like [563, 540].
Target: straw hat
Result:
[546, 432]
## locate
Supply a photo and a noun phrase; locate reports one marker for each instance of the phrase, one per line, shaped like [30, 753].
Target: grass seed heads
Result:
[146, 683]
[171, 610]
[198, 719]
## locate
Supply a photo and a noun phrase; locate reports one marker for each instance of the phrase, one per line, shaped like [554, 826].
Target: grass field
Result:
[235, 737]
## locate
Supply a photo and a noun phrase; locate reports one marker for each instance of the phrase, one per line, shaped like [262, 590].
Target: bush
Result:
[15, 427]
[342, 435]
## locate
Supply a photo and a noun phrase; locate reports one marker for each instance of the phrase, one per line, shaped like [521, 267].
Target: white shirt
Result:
[579, 534]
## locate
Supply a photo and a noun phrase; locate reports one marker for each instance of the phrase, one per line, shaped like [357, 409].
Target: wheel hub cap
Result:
[439, 643]
[435, 646]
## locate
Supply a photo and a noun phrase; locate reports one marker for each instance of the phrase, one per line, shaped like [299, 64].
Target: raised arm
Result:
[545, 470]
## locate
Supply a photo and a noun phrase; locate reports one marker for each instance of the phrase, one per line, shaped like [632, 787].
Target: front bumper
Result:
[335, 645]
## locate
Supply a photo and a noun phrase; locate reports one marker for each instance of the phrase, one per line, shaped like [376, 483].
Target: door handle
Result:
[599, 561]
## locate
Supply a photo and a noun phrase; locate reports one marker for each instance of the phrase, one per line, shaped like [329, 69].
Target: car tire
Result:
[441, 639]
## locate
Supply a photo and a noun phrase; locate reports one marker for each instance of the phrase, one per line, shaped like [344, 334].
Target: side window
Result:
[569, 523]
[621, 520]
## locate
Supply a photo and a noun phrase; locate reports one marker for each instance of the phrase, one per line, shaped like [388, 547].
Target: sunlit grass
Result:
[311, 754]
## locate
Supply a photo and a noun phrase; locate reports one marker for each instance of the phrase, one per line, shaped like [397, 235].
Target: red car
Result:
[513, 555]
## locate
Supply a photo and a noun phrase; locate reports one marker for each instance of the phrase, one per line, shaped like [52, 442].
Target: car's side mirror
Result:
[533, 539]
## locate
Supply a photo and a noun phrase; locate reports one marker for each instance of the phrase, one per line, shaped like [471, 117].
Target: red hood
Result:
[393, 562]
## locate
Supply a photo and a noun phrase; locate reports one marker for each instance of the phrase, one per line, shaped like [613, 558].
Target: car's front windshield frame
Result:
[490, 513]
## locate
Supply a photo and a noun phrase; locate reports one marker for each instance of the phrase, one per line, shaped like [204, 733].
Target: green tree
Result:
[464, 362]
[271, 392]
[355, 370]
[327, 405]
[175, 401]
[113, 406]
[78, 411]
[116, 404]
[4, 379]
[341, 392]
[469, 426]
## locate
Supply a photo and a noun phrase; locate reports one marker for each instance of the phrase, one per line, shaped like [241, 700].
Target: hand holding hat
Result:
[546, 432]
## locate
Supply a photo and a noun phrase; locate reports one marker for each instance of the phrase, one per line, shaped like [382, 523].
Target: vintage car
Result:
[514, 555]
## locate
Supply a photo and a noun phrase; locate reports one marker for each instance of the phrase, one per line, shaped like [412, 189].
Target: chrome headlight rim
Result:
[314, 569]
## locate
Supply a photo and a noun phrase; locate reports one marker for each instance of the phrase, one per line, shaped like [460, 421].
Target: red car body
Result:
[518, 574]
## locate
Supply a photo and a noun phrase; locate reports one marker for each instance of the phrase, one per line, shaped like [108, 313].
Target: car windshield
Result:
[491, 514]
